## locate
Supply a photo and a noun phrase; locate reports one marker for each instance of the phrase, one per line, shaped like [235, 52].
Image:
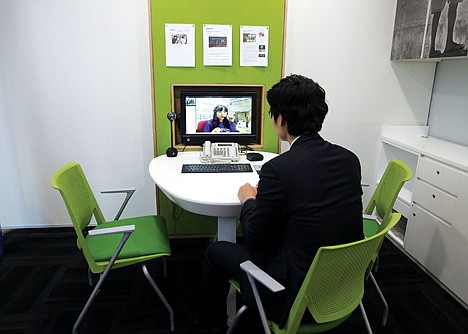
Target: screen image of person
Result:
[307, 197]
[220, 122]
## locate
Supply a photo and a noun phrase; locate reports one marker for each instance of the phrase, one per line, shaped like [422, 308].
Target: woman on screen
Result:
[220, 121]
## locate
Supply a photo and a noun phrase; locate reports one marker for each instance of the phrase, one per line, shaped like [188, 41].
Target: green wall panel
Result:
[240, 12]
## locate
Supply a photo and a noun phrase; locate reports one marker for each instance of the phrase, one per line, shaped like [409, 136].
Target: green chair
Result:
[381, 206]
[384, 197]
[332, 289]
[112, 244]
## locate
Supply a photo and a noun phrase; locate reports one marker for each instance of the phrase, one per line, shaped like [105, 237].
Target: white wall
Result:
[74, 86]
[345, 45]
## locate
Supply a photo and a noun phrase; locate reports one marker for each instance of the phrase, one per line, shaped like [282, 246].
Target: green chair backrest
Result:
[80, 201]
[334, 284]
[385, 195]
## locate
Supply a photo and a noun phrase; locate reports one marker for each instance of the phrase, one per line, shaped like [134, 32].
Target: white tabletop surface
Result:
[203, 193]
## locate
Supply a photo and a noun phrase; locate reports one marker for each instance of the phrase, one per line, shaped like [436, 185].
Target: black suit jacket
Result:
[308, 197]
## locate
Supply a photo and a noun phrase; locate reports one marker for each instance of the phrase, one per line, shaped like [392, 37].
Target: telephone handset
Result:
[206, 149]
[219, 152]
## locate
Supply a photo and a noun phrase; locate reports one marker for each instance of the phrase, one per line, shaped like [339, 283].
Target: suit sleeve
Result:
[262, 219]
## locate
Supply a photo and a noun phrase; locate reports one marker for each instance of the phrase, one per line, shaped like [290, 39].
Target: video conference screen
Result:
[205, 113]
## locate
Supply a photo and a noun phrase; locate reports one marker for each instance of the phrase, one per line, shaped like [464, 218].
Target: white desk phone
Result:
[219, 152]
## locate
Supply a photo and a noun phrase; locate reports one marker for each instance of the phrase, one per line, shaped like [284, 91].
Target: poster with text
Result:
[254, 46]
[180, 45]
[217, 45]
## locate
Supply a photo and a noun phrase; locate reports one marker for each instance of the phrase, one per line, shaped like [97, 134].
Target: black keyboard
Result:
[216, 168]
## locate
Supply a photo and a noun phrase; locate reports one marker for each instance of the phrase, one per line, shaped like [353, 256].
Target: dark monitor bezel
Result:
[199, 138]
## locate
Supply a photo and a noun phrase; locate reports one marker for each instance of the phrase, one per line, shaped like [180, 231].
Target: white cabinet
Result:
[435, 235]
[428, 240]
[440, 248]
[435, 203]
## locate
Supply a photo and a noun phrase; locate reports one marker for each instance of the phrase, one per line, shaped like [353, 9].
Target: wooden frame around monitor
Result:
[175, 103]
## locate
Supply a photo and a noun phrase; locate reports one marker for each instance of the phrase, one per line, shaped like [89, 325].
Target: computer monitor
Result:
[199, 121]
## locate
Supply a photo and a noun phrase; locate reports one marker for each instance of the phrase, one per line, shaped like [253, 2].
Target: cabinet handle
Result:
[433, 196]
[438, 172]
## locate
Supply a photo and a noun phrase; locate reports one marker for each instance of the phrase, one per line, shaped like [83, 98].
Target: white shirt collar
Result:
[295, 140]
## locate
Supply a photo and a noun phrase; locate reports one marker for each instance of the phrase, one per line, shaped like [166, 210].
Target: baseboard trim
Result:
[17, 227]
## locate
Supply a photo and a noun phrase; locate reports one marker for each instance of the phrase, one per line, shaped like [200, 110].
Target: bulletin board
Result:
[269, 13]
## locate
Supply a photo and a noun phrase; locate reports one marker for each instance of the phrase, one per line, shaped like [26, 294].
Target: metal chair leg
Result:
[90, 300]
[382, 298]
[90, 277]
[236, 319]
[261, 310]
[99, 283]
[366, 321]
[376, 264]
[160, 295]
[165, 267]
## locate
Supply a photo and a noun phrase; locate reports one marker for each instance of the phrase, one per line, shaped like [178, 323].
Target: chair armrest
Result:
[115, 191]
[129, 193]
[261, 276]
[254, 273]
[112, 230]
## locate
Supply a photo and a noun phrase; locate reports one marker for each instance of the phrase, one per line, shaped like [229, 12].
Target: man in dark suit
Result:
[307, 197]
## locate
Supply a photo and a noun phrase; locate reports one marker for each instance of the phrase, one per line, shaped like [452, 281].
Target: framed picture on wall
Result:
[430, 29]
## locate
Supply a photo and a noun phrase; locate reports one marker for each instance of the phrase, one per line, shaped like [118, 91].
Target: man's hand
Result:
[247, 191]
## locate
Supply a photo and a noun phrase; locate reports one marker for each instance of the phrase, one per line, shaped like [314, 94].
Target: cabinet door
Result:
[440, 248]
[426, 240]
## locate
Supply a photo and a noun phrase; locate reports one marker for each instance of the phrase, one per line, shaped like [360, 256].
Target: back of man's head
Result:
[301, 103]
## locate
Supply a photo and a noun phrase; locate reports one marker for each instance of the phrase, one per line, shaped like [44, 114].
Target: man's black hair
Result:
[301, 103]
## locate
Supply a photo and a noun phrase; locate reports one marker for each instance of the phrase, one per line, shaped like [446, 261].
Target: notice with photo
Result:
[217, 45]
[180, 45]
[254, 46]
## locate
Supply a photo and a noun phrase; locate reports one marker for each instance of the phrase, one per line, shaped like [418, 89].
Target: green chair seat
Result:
[371, 227]
[149, 238]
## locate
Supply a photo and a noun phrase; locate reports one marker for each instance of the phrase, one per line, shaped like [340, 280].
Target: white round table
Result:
[211, 194]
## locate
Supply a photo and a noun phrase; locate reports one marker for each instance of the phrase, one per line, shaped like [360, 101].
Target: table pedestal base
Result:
[227, 227]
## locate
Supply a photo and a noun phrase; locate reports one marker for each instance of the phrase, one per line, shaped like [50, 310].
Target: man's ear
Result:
[281, 120]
